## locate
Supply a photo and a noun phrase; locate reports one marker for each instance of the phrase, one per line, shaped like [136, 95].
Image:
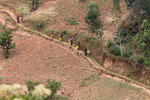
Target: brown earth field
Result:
[36, 58]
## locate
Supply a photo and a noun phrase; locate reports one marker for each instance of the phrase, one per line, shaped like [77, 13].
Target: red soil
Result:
[38, 59]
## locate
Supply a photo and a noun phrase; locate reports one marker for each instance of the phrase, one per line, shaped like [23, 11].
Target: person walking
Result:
[52, 35]
[78, 45]
[85, 51]
[61, 36]
[18, 19]
[70, 41]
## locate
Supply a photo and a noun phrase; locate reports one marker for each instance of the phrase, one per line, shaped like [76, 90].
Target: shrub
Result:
[146, 54]
[6, 42]
[115, 50]
[92, 17]
[53, 85]
[31, 84]
[110, 44]
[137, 59]
[127, 53]
[146, 62]
[20, 92]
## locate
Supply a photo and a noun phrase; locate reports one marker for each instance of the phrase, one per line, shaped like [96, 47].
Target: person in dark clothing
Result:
[70, 40]
[61, 36]
[52, 35]
[85, 51]
[18, 17]
[78, 45]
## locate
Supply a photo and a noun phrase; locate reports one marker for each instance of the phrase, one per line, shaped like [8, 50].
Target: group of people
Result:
[61, 38]
[71, 42]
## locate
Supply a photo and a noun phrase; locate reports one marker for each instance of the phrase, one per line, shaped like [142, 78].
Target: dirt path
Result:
[42, 59]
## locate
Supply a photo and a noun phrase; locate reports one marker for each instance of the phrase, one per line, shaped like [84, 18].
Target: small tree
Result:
[92, 18]
[142, 39]
[6, 42]
[35, 4]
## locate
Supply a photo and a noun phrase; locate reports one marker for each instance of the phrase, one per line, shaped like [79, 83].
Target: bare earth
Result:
[38, 59]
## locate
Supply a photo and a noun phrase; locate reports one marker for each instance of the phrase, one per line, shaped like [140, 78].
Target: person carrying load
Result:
[70, 41]
[61, 36]
[18, 19]
[78, 45]
[85, 51]
[52, 35]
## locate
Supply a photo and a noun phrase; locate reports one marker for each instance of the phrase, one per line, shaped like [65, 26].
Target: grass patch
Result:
[104, 88]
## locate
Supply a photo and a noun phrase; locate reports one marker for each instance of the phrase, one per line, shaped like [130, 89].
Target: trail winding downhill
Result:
[95, 65]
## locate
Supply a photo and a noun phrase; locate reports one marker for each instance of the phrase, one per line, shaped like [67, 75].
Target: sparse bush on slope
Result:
[33, 91]
[6, 42]
[92, 18]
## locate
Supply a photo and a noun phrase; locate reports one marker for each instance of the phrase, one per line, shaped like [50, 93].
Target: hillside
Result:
[38, 57]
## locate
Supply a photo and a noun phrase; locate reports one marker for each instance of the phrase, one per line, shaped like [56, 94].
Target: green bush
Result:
[127, 53]
[146, 62]
[31, 84]
[110, 44]
[92, 17]
[137, 59]
[53, 85]
[6, 42]
[115, 50]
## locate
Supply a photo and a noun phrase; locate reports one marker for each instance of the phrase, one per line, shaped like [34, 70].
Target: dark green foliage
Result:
[113, 49]
[92, 17]
[116, 5]
[31, 84]
[146, 62]
[6, 42]
[141, 60]
[110, 44]
[53, 85]
[142, 39]
[141, 7]
[137, 59]
[127, 53]
[122, 33]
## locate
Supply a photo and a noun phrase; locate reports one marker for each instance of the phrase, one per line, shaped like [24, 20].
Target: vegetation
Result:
[113, 49]
[31, 84]
[116, 5]
[6, 42]
[35, 4]
[104, 88]
[20, 92]
[53, 85]
[92, 18]
[33, 91]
